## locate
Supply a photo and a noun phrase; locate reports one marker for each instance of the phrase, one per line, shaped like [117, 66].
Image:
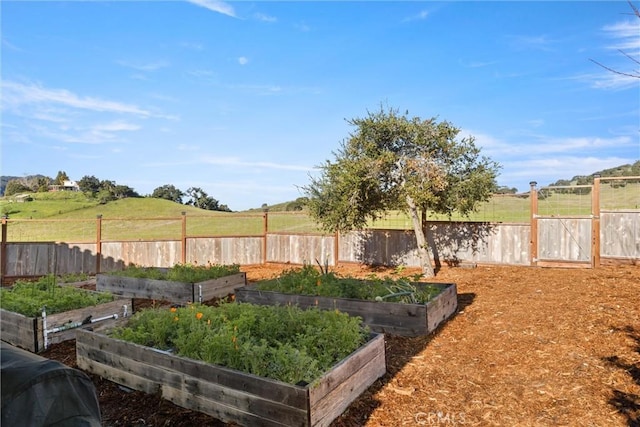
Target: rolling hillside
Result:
[70, 205]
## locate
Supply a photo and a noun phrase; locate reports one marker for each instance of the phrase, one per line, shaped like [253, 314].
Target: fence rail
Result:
[601, 236]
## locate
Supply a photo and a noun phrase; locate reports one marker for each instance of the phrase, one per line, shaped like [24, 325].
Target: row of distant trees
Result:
[106, 191]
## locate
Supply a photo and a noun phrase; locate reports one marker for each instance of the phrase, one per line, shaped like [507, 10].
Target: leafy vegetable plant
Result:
[284, 343]
[308, 280]
[73, 277]
[186, 273]
[28, 298]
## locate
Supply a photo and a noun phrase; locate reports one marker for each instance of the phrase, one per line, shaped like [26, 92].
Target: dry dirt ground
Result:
[528, 347]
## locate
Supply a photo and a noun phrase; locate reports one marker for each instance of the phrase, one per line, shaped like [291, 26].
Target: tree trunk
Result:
[423, 249]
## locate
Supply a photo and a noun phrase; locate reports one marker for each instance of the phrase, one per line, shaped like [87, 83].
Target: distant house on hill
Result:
[67, 185]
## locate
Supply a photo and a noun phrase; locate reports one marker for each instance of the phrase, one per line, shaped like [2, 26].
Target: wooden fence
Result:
[583, 241]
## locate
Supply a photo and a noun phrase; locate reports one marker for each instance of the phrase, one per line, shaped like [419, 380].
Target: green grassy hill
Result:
[73, 205]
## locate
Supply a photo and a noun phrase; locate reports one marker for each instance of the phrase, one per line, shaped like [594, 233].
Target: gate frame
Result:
[595, 260]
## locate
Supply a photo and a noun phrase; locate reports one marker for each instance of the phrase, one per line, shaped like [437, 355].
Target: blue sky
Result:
[243, 99]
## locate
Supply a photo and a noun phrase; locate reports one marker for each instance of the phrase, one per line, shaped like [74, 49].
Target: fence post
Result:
[98, 242]
[183, 255]
[265, 230]
[3, 251]
[595, 222]
[533, 248]
[336, 248]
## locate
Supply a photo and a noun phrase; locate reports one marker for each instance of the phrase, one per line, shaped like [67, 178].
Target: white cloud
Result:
[16, 94]
[542, 145]
[547, 159]
[117, 126]
[192, 46]
[540, 42]
[200, 73]
[423, 14]
[6, 44]
[548, 170]
[608, 80]
[626, 34]
[302, 27]
[259, 89]
[216, 6]
[264, 18]
[146, 67]
[477, 64]
[536, 123]
[243, 60]
[91, 134]
[234, 161]
[625, 37]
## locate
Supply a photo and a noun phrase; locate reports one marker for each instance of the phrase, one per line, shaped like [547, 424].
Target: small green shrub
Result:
[185, 273]
[73, 277]
[28, 298]
[283, 343]
[308, 280]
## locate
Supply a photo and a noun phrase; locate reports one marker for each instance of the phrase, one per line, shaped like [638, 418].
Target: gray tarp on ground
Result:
[37, 391]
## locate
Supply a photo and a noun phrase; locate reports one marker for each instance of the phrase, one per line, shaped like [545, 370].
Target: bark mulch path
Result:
[528, 347]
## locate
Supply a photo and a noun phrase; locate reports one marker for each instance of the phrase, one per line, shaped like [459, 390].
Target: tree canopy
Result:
[200, 199]
[60, 178]
[396, 162]
[168, 192]
[105, 190]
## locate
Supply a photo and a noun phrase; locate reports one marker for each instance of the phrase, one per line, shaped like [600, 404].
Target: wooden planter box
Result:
[383, 317]
[227, 394]
[35, 334]
[177, 292]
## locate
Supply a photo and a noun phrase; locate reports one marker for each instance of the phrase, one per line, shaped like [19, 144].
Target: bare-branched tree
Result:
[633, 74]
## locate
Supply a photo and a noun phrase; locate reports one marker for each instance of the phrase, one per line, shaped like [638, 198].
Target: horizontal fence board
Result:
[164, 253]
[300, 249]
[224, 250]
[451, 243]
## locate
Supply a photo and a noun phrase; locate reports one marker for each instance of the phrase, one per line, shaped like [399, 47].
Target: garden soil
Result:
[528, 347]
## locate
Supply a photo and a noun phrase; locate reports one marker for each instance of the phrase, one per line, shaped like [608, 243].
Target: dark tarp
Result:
[37, 391]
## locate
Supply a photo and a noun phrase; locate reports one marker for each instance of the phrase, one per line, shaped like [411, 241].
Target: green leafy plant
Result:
[284, 343]
[307, 280]
[28, 298]
[73, 277]
[186, 273]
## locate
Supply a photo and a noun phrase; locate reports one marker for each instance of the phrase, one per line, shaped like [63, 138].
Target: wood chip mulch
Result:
[528, 347]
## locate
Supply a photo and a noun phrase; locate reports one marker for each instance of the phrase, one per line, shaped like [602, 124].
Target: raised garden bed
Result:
[233, 395]
[36, 332]
[405, 318]
[176, 291]
[77, 280]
